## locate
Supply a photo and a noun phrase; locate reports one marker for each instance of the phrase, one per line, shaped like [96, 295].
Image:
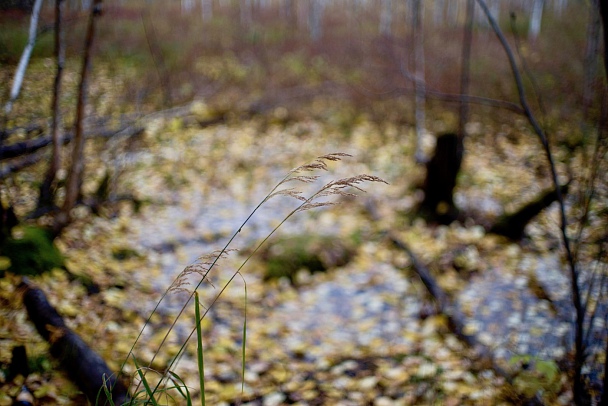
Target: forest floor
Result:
[362, 333]
[366, 331]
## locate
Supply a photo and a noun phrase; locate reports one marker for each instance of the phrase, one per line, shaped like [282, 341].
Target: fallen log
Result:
[31, 146]
[512, 225]
[456, 319]
[27, 147]
[83, 365]
[20, 163]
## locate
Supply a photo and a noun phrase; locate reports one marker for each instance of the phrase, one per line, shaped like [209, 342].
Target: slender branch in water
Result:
[574, 275]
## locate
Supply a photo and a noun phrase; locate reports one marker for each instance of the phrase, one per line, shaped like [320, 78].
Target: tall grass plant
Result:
[168, 383]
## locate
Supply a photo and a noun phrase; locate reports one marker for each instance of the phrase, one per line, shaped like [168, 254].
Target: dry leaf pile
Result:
[362, 334]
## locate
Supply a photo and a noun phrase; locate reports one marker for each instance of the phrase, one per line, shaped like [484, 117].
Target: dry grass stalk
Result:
[202, 266]
[205, 263]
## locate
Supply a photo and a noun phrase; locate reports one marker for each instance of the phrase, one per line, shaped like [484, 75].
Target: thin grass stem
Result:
[199, 348]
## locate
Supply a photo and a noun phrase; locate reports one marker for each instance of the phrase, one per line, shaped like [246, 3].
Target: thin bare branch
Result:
[462, 98]
[574, 274]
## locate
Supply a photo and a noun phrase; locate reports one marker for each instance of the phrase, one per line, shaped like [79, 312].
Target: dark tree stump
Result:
[441, 172]
[19, 364]
[83, 365]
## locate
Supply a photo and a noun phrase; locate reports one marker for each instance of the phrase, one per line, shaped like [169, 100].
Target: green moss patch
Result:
[287, 256]
[31, 251]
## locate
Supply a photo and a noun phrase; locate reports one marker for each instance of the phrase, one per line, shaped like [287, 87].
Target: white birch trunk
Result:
[187, 6]
[386, 14]
[558, 6]
[302, 14]
[438, 10]
[207, 9]
[315, 17]
[495, 9]
[287, 10]
[453, 10]
[246, 13]
[535, 19]
[25, 58]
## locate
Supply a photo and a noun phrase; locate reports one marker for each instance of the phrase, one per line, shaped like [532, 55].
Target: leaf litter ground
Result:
[362, 334]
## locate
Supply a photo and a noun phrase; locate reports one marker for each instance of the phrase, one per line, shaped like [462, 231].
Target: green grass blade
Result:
[199, 348]
[142, 376]
[179, 388]
[105, 390]
[244, 341]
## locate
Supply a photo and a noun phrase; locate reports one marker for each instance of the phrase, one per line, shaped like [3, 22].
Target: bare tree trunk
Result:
[453, 7]
[438, 12]
[604, 13]
[187, 6]
[25, 58]
[246, 13]
[287, 11]
[263, 4]
[74, 180]
[559, 7]
[315, 16]
[417, 16]
[207, 9]
[591, 52]
[466, 67]
[302, 14]
[386, 17]
[47, 188]
[535, 19]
